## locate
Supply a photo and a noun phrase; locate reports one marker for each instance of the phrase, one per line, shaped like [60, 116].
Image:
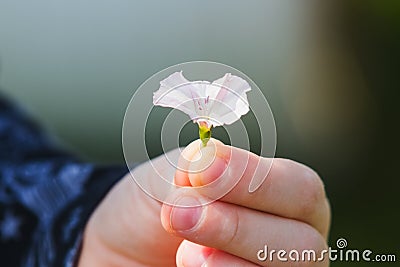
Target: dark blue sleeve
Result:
[46, 194]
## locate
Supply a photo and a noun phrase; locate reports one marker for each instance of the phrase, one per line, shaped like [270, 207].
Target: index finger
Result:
[290, 189]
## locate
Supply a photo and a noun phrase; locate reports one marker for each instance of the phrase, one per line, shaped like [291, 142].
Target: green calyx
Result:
[205, 134]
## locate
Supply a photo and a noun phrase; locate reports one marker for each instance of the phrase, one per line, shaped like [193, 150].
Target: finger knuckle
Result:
[314, 194]
[312, 189]
[310, 246]
[232, 225]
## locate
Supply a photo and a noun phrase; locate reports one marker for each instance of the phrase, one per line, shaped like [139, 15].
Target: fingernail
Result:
[185, 214]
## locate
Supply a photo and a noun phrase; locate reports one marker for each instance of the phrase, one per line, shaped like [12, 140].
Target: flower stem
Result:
[205, 134]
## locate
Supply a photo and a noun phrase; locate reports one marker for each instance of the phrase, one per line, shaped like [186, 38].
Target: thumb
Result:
[198, 165]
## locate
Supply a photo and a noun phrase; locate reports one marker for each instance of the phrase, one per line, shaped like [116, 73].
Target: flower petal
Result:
[222, 102]
[229, 98]
[177, 92]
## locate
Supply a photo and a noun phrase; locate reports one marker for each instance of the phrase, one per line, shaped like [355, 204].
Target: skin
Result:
[288, 211]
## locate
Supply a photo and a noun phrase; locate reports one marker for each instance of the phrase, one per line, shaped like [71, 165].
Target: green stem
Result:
[205, 134]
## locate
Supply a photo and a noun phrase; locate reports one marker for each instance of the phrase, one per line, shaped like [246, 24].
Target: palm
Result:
[127, 225]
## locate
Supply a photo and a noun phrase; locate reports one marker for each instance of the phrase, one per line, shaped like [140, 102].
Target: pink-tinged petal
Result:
[176, 85]
[222, 102]
[228, 84]
[177, 92]
[229, 99]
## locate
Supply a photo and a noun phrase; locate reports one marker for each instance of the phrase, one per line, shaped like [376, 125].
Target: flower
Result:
[221, 102]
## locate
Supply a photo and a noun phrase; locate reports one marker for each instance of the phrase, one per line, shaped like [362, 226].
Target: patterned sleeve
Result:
[46, 195]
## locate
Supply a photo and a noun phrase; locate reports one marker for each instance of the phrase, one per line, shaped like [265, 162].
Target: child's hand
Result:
[289, 211]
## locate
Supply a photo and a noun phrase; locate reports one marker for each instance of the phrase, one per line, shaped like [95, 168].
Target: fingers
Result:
[290, 189]
[193, 255]
[239, 231]
[195, 156]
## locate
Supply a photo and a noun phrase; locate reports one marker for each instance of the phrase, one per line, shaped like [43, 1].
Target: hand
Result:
[125, 229]
[289, 211]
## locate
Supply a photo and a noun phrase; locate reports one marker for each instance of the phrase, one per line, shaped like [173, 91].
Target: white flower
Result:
[223, 101]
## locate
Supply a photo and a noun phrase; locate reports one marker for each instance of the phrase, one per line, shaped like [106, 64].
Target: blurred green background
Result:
[329, 70]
